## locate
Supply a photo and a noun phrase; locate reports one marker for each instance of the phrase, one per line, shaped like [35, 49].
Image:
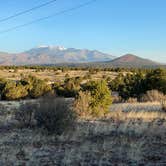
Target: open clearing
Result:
[51, 75]
[151, 106]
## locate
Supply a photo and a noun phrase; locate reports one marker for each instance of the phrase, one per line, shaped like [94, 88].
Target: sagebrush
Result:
[55, 115]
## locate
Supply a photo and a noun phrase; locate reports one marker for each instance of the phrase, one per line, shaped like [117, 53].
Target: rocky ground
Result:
[118, 140]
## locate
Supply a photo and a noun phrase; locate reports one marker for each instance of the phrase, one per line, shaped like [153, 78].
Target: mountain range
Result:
[45, 55]
[53, 55]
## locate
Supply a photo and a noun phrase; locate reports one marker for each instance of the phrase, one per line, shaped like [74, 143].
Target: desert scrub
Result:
[25, 114]
[132, 100]
[82, 104]
[14, 91]
[94, 100]
[55, 115]
[152, 96]
[163, 105]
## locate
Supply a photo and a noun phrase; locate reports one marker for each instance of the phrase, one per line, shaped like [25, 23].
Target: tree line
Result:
[128, 84]
[135, 84]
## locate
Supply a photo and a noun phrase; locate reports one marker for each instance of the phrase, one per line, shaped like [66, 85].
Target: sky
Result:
[116, 27]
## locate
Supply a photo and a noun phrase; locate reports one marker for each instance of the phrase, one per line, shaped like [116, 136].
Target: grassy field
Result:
[122, 139]
[52, 75]
[126, 107]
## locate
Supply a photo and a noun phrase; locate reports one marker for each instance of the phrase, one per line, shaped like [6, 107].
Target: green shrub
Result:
[156, 79]
[14, 91]
[100, 97]
[55, 115]
[2, 84]
[35, 86]
[39, 89]
[70, 87]
[138, 82]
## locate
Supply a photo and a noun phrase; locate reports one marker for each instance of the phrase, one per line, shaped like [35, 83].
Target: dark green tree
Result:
[100, 97]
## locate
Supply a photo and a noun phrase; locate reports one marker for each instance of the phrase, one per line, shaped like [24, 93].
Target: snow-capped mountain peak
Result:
[52, 47]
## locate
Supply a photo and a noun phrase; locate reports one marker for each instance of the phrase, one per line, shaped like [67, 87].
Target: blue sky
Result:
[112, 26]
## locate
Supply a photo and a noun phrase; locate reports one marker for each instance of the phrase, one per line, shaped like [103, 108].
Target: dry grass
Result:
[163, 105]
[51, 75]
[152, 96]
[145, 116]
[126, 107]
[122, 138]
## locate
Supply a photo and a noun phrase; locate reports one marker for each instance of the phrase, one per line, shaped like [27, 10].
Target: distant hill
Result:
[58, 55]
[130, 60]
[53, 55]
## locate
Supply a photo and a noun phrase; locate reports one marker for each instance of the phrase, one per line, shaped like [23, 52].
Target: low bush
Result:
[25, 114]
[69, 88]
[55, 115]
[117, 99]
[132, 100]
[35, 87]
[153, 96]
[163, 105]
[82, 104]
[39, 89]
[14, 91]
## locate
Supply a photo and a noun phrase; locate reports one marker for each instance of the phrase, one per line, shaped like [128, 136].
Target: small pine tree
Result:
[98, 98]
